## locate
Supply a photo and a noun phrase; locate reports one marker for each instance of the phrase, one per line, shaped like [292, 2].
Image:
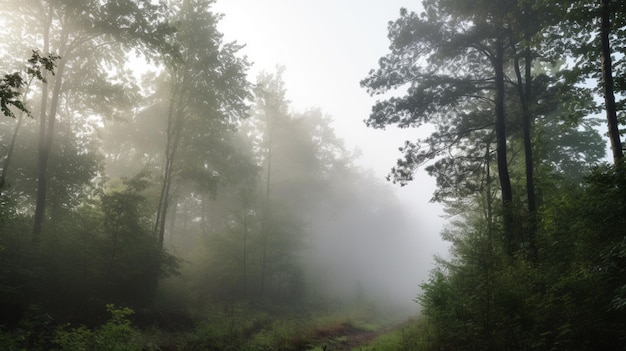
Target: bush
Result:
[117, 334]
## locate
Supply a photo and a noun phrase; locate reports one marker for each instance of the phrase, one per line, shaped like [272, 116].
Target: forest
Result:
[154, 197]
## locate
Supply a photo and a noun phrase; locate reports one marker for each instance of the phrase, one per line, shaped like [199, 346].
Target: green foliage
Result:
[19, 272]
[243, 326]
[100, 251]
[117, 334]
[412, 335]
[12, 85]
[98, 242]
[80, 339]
[232, 328]
[570, 298]
[10, 94]
[132, 256]
[554, 280]
[11, 341]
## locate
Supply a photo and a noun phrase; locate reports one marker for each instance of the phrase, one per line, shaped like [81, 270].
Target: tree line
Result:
[512, 90]
[143, 169]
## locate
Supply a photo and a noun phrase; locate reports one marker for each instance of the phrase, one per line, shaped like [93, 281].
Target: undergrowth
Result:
[240, 326]
[413, 335]
[117, 334]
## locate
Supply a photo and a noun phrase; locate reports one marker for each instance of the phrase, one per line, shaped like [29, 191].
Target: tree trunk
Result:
[245, 254]
[164, 203]
[175, 125]
[47, 134]
[266, 219]
[501, 152]
[488, 325]
[266, 210]
[171, 225]
[41, 164]
[607, 80]
[524, 90]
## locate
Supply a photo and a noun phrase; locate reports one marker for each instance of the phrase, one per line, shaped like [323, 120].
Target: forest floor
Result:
[352, 338]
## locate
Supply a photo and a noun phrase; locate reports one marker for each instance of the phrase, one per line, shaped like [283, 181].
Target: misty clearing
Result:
[219, 175]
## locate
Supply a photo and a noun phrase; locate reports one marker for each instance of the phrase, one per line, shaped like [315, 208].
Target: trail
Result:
[353, 339]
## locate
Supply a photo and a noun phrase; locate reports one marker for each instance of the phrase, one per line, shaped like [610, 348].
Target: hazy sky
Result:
[328, 47]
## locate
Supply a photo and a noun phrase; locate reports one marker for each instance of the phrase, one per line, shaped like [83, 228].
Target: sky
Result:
[327, 48]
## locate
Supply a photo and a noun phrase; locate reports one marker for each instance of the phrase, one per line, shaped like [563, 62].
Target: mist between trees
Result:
[175, 192]
[205, 204]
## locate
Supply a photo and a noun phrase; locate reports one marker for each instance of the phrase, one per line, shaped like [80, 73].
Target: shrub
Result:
[117, 334]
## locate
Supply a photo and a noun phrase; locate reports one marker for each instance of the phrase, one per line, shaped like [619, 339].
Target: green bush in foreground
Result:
[117, 334]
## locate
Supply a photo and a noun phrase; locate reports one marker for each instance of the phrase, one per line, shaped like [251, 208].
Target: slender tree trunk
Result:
[524, 90]
[175, 124]
[607, 79]
[171, 225]
[167, 193]
[161, 207]
[159, 226]
[489, 213]
[245, 254]
[490, 255]
[528, 125]
[45, 149]
[266, 205]
[266, 219]
[41, 169]
[501, 152]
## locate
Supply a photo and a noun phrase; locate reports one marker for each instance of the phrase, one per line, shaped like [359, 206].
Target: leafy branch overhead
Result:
[445, 67]
[12, 85]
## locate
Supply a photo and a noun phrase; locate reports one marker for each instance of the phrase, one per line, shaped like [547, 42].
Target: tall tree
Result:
[464, 52]
[272, 109]
[13, 91]
[299, 155]
[206, 91]
[78, 32]
[606, 14]
[523, 25]
[591, 33]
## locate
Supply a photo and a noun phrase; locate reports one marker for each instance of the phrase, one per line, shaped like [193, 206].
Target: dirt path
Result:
[353, 339]
[361, 340]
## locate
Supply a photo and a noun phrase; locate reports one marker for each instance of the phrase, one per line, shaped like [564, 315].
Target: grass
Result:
[243, 327]
[239, 326]
[411, 336]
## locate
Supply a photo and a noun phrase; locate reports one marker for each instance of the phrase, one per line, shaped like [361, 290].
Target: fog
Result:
[215, 175]
[206, 154]
[327, 47]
